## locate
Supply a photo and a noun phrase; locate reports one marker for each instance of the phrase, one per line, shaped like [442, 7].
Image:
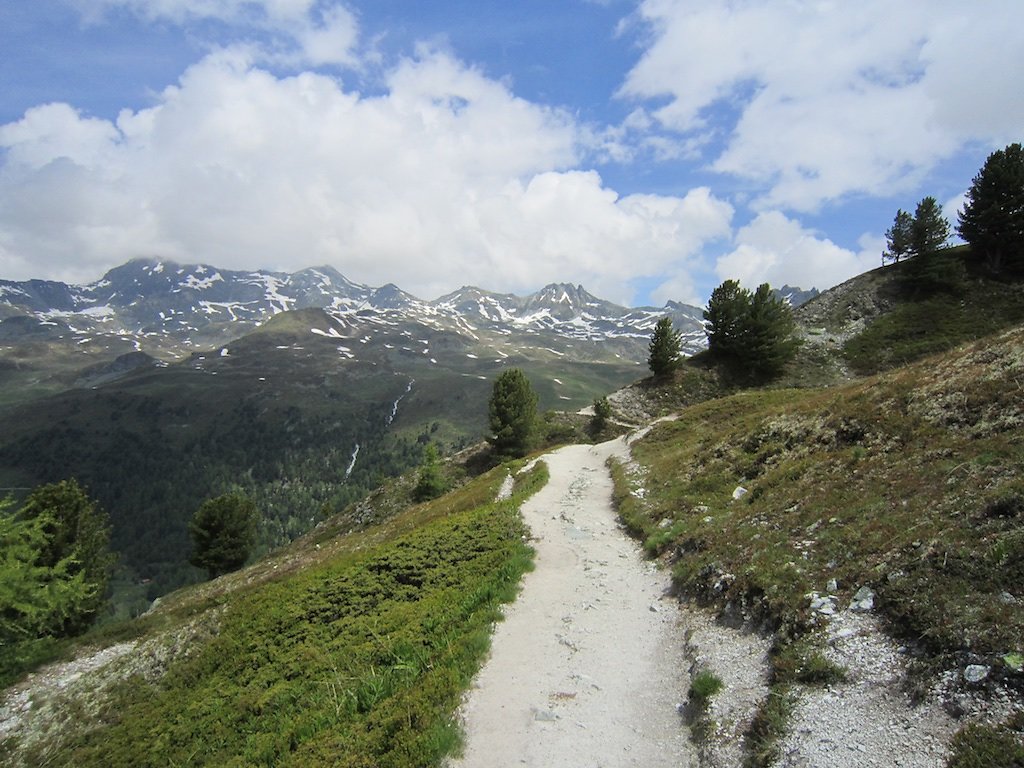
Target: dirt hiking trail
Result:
[588, 667]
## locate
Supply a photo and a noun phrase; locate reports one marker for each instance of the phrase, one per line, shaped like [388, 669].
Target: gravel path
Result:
[588, 668]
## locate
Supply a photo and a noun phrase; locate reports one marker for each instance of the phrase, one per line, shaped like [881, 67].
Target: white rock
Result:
[863, 600]
[975, 673]
[739, 493]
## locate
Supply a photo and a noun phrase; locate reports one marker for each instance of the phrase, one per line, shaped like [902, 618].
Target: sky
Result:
[646, 149]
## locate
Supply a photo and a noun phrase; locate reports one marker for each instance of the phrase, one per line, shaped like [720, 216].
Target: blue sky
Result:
[647, 149]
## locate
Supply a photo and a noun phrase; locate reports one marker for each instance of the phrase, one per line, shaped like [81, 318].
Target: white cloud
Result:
[778, 250]
[444, 178]
[828, 99]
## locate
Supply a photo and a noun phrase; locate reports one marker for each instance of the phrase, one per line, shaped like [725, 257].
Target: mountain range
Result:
[167, 306]
[164, 384]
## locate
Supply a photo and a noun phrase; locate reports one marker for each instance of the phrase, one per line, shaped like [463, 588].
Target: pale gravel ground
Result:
[740, 660]
[588, 669]
[868, 720]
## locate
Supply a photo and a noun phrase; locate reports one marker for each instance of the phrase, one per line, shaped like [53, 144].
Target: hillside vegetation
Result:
[343, 650]
[907, 483]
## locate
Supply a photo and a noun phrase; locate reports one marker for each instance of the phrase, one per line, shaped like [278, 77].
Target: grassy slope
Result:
[908, 482]
[343, 651]
[922, 319]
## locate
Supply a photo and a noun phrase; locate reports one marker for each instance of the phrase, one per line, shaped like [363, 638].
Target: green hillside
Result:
[277, 414]
[344, 649]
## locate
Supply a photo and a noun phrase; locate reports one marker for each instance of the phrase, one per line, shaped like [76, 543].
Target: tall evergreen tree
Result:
[77, 532]
[768, 340]
[222, 530]
[725, 318]
[512, 413]
[752, 333]
[899, 237]
[992, 220]
[930, 230]
[664, 348]
[431, 482]
[36, 600]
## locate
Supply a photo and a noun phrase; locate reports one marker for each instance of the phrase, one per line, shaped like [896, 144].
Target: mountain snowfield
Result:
[159, 305]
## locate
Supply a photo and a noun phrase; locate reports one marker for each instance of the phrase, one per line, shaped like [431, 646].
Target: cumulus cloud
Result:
[832, 99]
[443, 178]
[778, 250]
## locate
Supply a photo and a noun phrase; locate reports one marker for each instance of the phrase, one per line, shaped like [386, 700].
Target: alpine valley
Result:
[165, 384]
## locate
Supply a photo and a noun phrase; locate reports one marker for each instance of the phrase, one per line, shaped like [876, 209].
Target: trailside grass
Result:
[358, 659]
[908, 482]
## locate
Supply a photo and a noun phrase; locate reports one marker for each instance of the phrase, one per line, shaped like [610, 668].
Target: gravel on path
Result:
[589, 666]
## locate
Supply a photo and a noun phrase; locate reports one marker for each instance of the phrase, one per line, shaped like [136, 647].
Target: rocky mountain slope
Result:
[168, 310]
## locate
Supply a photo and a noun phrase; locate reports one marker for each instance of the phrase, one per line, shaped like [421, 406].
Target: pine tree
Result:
[431, 483]
[992, 220]
[77, 532]
[930, 229]
[222, 530]
[899, 237]
[602, 412]
[751, 333]
[512, 413]
[768, 340]
[725, 318]
[664, 348]
[36, 600]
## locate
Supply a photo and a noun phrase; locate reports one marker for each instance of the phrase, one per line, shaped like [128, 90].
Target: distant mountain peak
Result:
[193, 306]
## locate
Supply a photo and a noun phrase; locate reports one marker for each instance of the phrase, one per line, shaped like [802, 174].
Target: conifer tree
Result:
[664, 348]
[992, 220]
[75, 532]
[930, 229]
[222, 530]
[725, 318]
[899, 237]
[768, 340]
[512, 413]
[431, 482]
[751, 333]
[36, 600]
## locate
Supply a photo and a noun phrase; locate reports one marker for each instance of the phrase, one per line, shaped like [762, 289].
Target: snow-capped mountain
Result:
[155, 305]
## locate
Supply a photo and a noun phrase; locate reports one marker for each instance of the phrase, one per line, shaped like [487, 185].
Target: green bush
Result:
[703, 686]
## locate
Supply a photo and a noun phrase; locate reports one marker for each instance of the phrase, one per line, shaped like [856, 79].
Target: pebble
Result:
[975, 673]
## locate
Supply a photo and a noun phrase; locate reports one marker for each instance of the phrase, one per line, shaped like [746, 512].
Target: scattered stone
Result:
[975, 673]
[863, 600]
[832, 586]
[1007, 599]
[665, 523]
[823, 604]
[544, 716]
[739, 493]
